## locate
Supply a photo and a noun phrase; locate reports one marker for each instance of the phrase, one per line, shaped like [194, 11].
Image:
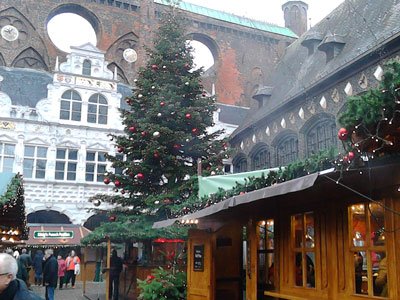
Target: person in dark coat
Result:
[26, 262]
[50, 274]
[115, 271]
[38, 267]
[12, 288]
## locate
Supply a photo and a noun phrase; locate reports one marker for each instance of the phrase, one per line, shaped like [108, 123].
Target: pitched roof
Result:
[362, 25]
[231, 18]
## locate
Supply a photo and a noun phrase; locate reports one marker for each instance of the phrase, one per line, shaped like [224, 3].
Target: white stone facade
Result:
[33, 137]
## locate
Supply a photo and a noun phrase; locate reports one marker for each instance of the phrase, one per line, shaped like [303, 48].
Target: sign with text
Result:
[53, 234]
[198, 258]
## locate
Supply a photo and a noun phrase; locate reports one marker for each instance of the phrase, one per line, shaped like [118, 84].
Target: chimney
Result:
[262, 95]
[295, 14]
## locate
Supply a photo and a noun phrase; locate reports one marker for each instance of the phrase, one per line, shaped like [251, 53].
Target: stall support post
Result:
[108, 269]
[83, 272]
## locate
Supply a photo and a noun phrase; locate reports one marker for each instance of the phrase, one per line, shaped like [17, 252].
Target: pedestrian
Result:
[50, 274]
[61, 270]
[73, 267]
[38, 266]
[115, 271]
[26, 262]
[12, 288]
[22, 272]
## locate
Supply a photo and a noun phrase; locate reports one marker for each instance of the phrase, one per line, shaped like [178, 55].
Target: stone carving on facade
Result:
[14, 29]
[363, 81]
[335, 96]
[292, 118]
[311, 108]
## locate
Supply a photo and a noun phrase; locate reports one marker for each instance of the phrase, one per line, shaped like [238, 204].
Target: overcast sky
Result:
[269, 10]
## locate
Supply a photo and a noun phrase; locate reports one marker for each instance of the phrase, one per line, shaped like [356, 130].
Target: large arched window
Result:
[97, 109]
[71, 106]
[260, 157]
[321, 135]
[287, 150]
[87, 67]
[240, 163]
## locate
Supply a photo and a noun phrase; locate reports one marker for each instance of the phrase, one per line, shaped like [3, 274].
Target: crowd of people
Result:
[49, 272]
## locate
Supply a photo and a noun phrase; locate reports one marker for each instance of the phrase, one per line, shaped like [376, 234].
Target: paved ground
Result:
[76, 294]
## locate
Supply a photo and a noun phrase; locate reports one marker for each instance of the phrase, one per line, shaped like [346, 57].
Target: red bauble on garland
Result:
[132, 129]
[112, 218]
[162, 103]
[156, 155]
[107, 180]
[144, 133]
[343, 134]
[120, 149]
[117, 183]
[154, 67]
[176, 146]
[195, 131]
[188, 116]
[350, 155]
[140, 176]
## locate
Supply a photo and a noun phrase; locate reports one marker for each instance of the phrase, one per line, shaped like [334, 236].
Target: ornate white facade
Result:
[59, 144]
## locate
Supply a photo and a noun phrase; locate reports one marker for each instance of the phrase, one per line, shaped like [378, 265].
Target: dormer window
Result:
[311, 41]
[71, 106]
[332, 45]
[97, 109]
[87, 67]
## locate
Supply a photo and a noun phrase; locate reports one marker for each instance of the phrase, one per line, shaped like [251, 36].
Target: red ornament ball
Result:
[140, 176]
[187, 66]
[195, 131]
[117, 183]
[144, 133]
[351, 155]
[156, 154]
[169, 267]
[154, 67]
[167, 201]
[162, 103]
[188, 116]
[120, 149]
[132, 129]
[112, 218]
[343, 134]
[106, 180]
[177, 146]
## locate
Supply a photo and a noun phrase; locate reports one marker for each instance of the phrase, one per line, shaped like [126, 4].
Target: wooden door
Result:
[200, 272]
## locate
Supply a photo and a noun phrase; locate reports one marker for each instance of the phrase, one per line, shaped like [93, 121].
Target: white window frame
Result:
[98, 175]
[97, 101]
[4, 155]
[71, 102]
[36, 160]
[67, 162]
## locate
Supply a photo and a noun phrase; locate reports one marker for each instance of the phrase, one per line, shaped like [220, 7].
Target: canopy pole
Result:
[199, 170]
[108, 268]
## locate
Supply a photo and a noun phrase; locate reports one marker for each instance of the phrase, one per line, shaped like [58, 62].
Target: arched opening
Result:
[95, 221]
[47, 217]
[72, 25]
[205, 51]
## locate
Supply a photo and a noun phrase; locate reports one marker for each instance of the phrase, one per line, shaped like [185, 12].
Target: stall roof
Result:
[291, 186]
[362, 182]
[61, 235]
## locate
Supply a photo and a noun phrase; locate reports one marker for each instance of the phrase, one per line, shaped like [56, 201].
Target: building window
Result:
[71, 106]
[240, 164]
[287, 151]
[303, 245]
[66, 163]
[97, 109]
[95, 166]
[261, 159]
[7, 155]
[87, 67]
[119, 164]
[322, 136]
[35, 158]
[265, 257]
[368, 249]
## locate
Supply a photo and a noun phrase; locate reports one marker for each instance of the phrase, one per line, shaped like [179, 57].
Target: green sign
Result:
[53, 234]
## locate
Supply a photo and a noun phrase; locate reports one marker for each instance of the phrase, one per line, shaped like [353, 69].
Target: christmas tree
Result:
[166, 131]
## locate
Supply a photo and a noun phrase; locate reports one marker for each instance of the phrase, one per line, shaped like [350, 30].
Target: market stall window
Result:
[303, 247]
[265, 255]
[368, 247]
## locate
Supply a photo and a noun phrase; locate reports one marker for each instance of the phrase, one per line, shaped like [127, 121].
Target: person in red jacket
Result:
[61, 270]
[73, 265]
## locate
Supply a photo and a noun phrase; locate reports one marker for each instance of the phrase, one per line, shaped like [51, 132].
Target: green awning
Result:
[210, 185]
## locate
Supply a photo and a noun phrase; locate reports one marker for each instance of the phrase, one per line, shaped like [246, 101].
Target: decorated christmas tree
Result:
[166, 131]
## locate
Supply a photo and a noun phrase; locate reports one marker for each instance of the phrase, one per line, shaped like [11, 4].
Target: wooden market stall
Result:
[12, 210]
[328, 235]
